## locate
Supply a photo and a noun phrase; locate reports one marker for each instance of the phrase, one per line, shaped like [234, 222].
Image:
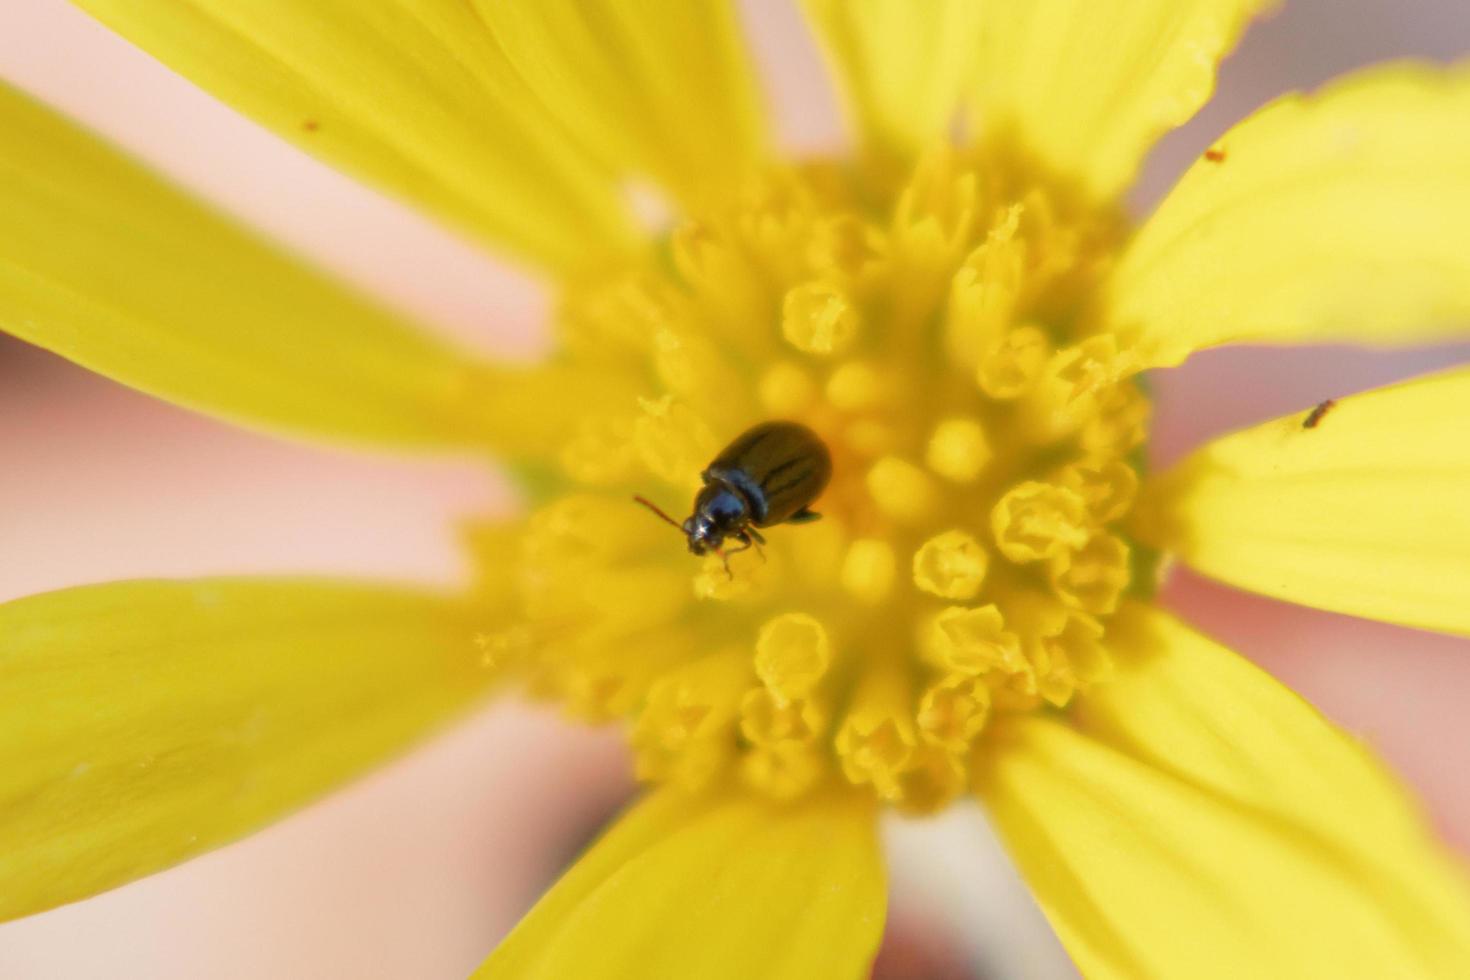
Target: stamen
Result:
[1120, 423]
[848, 249]
[985, 292]
[673, 442]
[584, 529]
[601, 453]
[764, 720]
[1094, 577]
[749, 577]
[951, 565]
[692, 368]
[953, 710]
[932, 780]
[686, 730]
[713, 264]
[901, 490]
[1108, 487]
[597, 697]
[936, 211]
[1085, 369]
[818, 318]
[856, 385]
[877, 738]
[600, 684]
[868, 570]
[1037, 520]
[784, 770]
[958, 450]
[1065, 654]
[871, 438]
[1013, 367]
[786, 390]
[791, 655]
[973, 641]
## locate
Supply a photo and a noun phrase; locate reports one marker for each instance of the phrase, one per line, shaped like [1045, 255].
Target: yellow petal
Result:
[1202, 821]
[415, 96]
[144, 722]
[109, 267]
[720, 886]
[1089, 87]
[526, 413]
[1363, 512]
[1339, 216]
[661, 87]
[901, 65]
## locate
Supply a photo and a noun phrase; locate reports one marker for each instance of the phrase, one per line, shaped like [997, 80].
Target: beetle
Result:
[771, 474]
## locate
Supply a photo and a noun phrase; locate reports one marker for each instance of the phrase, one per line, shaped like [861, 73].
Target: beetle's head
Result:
[718, 513]
[703, 535]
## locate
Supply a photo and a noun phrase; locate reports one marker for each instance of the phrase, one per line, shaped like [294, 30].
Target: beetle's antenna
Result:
[654, 507]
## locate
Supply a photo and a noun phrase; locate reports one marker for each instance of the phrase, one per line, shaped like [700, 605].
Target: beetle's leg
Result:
[755, 538]
[804, 516]
[725, 557]
[749, 538]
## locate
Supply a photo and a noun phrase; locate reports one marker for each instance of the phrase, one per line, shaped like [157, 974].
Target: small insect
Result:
[1215, 155]
[1314, 417]
[771, 474]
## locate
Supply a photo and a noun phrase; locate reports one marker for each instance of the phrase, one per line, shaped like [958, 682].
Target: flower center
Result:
[968, 558]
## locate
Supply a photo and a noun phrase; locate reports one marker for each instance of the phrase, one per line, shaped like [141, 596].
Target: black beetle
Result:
[771, 474]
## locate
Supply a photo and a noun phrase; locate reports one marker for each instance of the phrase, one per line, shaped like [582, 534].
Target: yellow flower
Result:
[963, 320]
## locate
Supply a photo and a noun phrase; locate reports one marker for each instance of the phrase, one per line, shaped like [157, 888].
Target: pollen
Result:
[972, 547]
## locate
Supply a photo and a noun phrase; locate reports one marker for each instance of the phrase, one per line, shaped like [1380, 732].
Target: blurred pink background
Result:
[417, 871]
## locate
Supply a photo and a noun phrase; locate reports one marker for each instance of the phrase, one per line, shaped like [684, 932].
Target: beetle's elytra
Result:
[771, 474]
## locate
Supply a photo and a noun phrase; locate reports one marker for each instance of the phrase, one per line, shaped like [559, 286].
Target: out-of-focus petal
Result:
[414, 96]
[144, 722]
[1339, 216]
[660, 87]
[901, 65]
[108, 266]
[1089, 87]
[1199, 820]
[1358, 506]
[724, 886]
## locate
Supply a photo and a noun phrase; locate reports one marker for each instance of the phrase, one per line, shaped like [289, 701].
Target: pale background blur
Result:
[417, 871]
